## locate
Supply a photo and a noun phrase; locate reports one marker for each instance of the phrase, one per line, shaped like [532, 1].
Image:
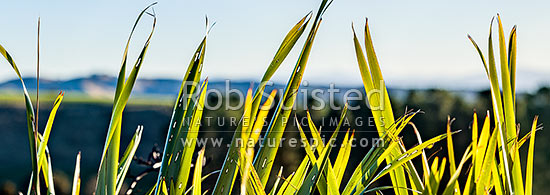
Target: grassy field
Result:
[13, 97]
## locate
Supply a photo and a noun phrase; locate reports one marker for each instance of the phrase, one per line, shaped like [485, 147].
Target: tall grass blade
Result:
[530, 155]
[313, 176]
[291, 185]
[375, 156]
[108, 168]
[76, 177]
[226, 179]
[451, 154]
[266, 155]
[182, 112]
[127, 157]
[197, 175]
[276, 185]
[43, 156]
[507, 90]
[33, 185]
[512, 52]
[36, 127]
[452, 185]
[49, 179]
[496, 181]
[378, 100]
[408, 155]
[342, 159]
[483, 181]
[190, 143]
[509, 110]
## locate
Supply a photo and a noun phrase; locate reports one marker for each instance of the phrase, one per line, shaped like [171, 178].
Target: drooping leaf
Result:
[31, 132]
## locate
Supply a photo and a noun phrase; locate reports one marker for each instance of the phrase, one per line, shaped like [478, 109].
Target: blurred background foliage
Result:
[80, 126]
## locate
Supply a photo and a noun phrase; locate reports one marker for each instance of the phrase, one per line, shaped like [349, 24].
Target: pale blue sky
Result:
[420, 43]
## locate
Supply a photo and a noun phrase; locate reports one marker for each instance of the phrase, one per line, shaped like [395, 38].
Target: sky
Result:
[420, 44]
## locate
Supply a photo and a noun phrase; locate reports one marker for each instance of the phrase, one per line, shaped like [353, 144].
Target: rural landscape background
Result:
[79, 127]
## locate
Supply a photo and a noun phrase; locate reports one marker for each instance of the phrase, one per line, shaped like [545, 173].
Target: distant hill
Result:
[104, 86]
